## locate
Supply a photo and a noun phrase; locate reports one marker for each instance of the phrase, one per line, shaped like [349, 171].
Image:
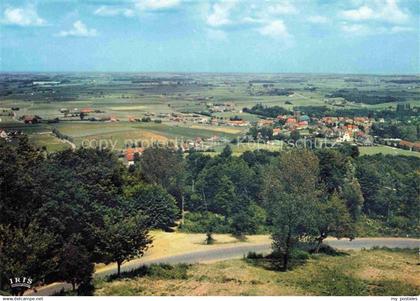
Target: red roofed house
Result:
[86, 110]
[303, 124]
[265, 122]
[276, 131]
[412, 146]
[130, 154]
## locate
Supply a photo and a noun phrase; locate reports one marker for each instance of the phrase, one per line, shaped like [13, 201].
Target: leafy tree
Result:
[75, 266]
[353, 197]
[224, 198]
[165, 167]
[18, 165]
[293, 218]
[158, 205]
[248, 220]
[124, 238]
[26, 253]
[335, 169]
[196, 162]
[349, 150]
[291, 199]
[226, 152]
[295, 135]
[161, 166]
[334, 220]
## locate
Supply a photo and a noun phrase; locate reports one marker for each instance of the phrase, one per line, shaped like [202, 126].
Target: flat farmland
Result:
[122, 132]
[124, 96]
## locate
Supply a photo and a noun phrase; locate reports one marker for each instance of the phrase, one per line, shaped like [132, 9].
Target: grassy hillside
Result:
[366, 272]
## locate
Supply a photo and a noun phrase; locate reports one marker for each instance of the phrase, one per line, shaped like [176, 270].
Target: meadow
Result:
[375, 272]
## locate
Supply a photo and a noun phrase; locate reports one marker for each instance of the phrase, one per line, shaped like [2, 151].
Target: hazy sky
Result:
[343, 36]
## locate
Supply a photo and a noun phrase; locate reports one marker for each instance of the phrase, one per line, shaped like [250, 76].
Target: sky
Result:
[297, 36]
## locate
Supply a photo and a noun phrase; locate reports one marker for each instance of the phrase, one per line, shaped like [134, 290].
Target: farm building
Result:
[265, 122]
[412, 146]
[237, 123]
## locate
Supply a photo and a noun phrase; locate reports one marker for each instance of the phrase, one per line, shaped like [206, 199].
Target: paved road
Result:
[236, 252]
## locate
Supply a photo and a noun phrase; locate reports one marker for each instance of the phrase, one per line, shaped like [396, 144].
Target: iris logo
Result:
[17, 282]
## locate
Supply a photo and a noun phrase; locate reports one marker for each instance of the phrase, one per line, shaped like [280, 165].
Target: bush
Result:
[160, 271]
[254, 255]
[198, 222]
[166, 271]
[299, 255]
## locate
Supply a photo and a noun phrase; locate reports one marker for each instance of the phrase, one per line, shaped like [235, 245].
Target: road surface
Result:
[233, 252]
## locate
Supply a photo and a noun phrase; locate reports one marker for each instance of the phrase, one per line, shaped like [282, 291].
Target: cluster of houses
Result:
[130, 154]
[337, 129]
[220, 107]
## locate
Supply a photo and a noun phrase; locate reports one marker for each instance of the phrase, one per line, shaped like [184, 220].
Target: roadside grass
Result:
[176, 243]
[379, 271]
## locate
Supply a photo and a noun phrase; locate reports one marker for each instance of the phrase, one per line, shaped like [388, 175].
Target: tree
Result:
[124, 238]
[226, 152]
[349, 150]
[161, 166]
[291, 197]
[334, 220]
[75, 266]
[165, 167]
[335, 169]
[353, 197]
[247, 220]
[295, 135]
[158, 205]
[293, 218]
[26, 252]
[18, 164]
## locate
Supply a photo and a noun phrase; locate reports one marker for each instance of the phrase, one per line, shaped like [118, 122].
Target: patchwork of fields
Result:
[124, 97]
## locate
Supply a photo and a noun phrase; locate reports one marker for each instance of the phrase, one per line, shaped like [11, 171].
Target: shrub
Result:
[254, 255]
[166, 271]
[198, 222]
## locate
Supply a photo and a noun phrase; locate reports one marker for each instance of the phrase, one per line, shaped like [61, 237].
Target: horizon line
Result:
[219, 72]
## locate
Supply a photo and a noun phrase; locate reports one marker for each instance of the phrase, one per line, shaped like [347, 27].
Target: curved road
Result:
[233, 252]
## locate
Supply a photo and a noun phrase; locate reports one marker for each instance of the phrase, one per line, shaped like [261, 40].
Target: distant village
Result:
[296, 125]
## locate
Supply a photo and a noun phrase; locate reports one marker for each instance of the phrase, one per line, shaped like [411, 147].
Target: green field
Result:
[386, 150]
